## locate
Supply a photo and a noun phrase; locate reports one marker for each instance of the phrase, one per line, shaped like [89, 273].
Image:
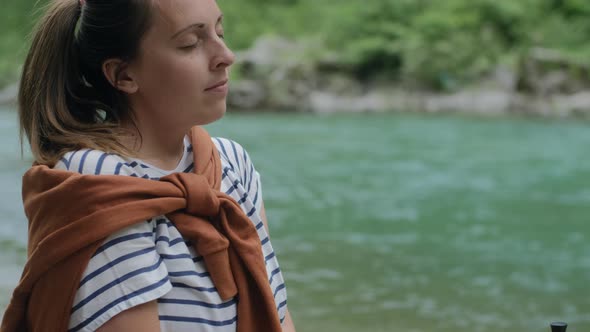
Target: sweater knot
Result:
[201, 199]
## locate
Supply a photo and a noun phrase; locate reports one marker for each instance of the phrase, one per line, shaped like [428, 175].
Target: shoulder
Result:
[239, 168]
[228, 148]
[233, 153]
[94, 162]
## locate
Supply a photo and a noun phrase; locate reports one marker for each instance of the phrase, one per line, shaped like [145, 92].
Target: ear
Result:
[119, 76]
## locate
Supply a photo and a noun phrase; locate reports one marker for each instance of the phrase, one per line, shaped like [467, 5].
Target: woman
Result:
[110, 90]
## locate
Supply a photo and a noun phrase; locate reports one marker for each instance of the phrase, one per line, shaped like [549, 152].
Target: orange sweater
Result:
[70, 215]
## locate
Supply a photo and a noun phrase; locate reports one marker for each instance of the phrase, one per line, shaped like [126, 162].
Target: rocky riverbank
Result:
[281, 75]
[278, 74]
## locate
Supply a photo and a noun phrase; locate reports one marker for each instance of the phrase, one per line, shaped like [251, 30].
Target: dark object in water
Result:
[558, 327]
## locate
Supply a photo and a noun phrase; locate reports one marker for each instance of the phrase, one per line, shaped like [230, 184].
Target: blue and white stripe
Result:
[151, 261]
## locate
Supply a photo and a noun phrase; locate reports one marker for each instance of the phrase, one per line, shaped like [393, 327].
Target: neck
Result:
[155, 144]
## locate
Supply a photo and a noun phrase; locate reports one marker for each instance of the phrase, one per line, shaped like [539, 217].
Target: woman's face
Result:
[181, 59]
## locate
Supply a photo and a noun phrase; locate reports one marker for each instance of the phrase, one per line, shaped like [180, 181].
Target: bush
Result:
[430, 43]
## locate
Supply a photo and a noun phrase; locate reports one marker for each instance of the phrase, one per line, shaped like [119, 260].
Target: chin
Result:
[215, 113]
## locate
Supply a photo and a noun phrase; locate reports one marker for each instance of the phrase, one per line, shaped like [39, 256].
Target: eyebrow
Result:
[196, 26]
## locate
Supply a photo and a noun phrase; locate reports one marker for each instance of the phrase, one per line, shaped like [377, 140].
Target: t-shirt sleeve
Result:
[242, 164]
[252, 182]
[125, 271]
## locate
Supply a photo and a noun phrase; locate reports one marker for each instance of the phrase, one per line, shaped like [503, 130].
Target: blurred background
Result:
[423, 162]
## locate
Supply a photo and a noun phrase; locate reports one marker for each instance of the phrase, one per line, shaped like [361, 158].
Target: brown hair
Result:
[65, 102]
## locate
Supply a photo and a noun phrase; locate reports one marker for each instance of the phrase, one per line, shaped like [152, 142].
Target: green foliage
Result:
[430, 43]
[16, 20]
[437, 43]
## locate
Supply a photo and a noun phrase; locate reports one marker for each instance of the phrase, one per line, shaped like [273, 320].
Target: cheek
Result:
[175, 74]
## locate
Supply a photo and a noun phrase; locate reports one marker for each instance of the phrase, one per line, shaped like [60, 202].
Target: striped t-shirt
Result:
[151, 261]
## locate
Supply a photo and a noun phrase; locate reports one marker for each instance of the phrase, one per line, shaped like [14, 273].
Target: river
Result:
[403, 222]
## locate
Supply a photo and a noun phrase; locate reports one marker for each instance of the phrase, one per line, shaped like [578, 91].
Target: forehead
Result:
[173, 15]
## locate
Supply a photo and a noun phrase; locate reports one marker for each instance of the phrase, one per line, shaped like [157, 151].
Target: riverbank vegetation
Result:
[429, 44]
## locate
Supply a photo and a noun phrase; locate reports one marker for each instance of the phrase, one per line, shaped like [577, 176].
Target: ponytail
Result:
[64, 101]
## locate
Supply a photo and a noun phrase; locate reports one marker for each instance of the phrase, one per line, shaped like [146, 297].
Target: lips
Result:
[218, 84]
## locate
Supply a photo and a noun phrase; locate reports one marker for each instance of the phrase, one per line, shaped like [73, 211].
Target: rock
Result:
[267, 51]
[324, 102]
[545, 71]
[577, 104]
[483, 102]
[247, 94]
[502, 78]
[279, 74]
[340, 84]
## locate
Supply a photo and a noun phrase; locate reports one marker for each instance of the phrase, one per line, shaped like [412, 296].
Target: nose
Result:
[223, 57]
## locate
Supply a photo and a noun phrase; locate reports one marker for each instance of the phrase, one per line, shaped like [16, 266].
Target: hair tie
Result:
[82, 3]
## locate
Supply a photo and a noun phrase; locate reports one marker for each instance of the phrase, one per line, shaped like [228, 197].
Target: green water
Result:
[405, 222]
